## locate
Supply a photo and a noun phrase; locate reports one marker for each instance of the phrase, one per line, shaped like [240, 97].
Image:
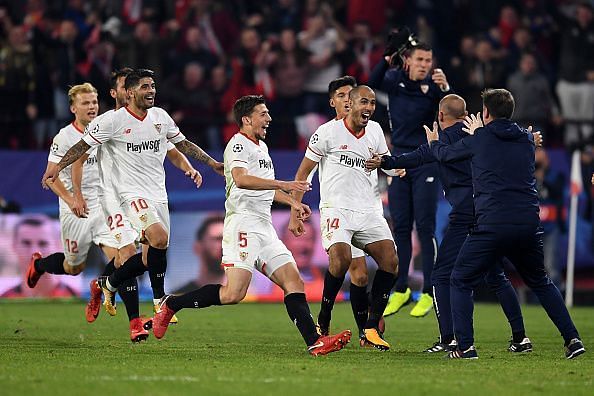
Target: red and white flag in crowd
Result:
[576, 186]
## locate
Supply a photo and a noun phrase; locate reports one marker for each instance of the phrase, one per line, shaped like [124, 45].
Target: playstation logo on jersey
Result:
[237, 148]
[424, 88]
[158, 127]
[314, 138]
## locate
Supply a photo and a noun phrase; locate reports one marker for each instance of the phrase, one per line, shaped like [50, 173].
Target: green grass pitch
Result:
[47, 348]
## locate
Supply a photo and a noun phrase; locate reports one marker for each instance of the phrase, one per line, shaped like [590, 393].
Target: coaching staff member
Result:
[414, 91]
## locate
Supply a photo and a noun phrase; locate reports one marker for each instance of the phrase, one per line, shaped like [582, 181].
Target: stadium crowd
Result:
[208, 53]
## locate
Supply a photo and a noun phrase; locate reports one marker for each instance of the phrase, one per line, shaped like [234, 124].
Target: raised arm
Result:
[192, 150]
[248, 182]
[53, 169]
[182, 163]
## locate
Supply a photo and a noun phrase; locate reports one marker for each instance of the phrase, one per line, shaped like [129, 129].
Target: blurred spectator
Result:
[208, 249]
[508, 23]
[534, 102]
[576, 75]
[486, 71]
[321, 41]
[191, 50]
[550, 186]
[362, 52]
[188, 99]
[17, 88]
[145, 49]
[219, 30]
[289, 69]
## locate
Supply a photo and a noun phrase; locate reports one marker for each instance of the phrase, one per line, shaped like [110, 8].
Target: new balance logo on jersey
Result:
[344, 147]
[92, 160]
[153, 145]
[352, 162]
[265, 164]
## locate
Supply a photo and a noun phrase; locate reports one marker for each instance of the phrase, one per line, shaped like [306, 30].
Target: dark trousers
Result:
[522, 245]
[413, 198]
[495, 278]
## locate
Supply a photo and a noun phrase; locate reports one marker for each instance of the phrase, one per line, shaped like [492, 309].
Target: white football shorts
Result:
[251, 242]
[355, 228]
[79, 233]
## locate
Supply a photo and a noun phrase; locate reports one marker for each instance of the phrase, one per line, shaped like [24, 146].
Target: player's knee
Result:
[295, 285]
[359, 278]
[124, 254]
[230, 297]
[160, 241]
[74, 269]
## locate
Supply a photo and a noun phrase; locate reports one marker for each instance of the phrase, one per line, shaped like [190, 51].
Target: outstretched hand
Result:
[296, 185]
[432, 134]
[538, 139]
[374, 162]
[472, 123]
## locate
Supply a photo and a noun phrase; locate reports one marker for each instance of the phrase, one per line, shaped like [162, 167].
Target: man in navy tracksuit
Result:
[457, 184]
[414, 95]
[507, 218]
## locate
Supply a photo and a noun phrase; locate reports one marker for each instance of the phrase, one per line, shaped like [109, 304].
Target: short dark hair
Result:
[245, 105]
[36, 221]
[134, 77]
[499, 102]
[339, 83]
[210, 220]
[116, 74]
[420, 46]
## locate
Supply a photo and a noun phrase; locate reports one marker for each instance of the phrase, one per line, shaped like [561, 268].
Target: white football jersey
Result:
[66, 138]
[244, 152]
[137, 148]
[344, 181]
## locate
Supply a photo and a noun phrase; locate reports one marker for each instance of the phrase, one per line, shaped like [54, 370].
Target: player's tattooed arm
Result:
[192, 150]
[74, 153]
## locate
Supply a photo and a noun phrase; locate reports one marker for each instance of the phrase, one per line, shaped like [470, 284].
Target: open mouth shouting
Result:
[365, 116]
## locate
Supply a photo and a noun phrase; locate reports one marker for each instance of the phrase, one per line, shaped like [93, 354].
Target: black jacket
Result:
[502, 161]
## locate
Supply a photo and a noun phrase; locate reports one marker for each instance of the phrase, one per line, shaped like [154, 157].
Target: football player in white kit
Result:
[338, 91]
[118, 223]
[249, 238]
[135, 137]
[77, 233]
[347, 211]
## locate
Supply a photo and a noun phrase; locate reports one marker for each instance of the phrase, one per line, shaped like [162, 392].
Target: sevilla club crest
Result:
[424, 88]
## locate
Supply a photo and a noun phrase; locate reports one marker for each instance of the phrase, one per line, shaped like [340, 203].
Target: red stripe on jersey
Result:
[353, 132]
[314, 151]
[386, 153]
[139, 118]
[77, 128]
[249, 138]
[227, 265]
[236, 160]
[174, 135]
[95, 139]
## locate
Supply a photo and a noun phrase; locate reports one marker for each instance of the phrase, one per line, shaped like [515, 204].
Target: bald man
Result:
[348, 214]
[457, 184]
